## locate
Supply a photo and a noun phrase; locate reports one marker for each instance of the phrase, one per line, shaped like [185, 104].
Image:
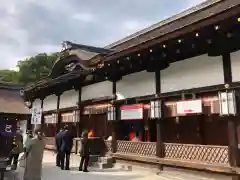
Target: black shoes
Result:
[80, 169]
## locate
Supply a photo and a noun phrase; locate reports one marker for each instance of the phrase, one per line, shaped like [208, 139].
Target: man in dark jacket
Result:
[66, 147]
[84, 153]
[58, 142]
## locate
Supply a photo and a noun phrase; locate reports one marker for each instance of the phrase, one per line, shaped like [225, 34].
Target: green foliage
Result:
[7, 75]
[30, 70]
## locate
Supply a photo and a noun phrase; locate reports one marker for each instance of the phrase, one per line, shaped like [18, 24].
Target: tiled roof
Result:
[12, 102]
[190, 11]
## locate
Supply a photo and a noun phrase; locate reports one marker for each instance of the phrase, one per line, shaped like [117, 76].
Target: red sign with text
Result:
[132, 112]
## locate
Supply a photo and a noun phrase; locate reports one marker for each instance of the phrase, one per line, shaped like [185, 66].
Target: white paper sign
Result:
[227, 103]
[36, 116]
[189, 107]
[155, 107]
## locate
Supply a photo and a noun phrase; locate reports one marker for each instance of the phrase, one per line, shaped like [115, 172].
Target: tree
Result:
[31, 69]
[8, 76]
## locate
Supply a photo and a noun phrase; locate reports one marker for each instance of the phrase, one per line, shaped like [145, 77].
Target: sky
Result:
[29, 27]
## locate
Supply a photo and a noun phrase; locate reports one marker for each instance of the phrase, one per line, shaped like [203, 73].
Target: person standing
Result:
[66, 148]
[17, 149]
[34, 157]
[58, 142]
[84, 153]
[26, 139]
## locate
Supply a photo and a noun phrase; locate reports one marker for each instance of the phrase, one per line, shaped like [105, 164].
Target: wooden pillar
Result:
[29, 124]
[159, 143]
[79, 111]
[42, 118]
[58, 113]
[114, 123]
[232, 125]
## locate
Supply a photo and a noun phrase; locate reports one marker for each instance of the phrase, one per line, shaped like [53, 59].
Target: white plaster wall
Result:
[37, 103]
[50, 103]
[68, 99]
[235, 63]
[137, 84]
[194, 72]
[98, 90]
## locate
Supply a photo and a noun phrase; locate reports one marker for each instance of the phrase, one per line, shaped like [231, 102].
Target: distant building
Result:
[13, 112]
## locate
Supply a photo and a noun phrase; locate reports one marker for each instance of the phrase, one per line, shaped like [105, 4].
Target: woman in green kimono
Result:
[34, 157]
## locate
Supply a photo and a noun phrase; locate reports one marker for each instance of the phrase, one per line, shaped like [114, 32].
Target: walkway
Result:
[51, 172]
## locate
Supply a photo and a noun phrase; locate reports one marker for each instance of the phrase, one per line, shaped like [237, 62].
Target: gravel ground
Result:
[50, 172]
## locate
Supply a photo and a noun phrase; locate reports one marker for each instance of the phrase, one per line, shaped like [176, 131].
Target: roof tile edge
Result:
[171, 19]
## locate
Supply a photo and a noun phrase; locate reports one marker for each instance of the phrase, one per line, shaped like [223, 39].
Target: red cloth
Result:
[131, 136]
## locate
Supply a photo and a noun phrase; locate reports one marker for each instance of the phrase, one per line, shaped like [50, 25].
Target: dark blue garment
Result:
[58, 140]
[67, 142]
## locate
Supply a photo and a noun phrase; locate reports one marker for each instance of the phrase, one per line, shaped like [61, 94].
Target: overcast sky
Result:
[28, 27]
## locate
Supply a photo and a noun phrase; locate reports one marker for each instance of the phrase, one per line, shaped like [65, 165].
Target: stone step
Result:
[105, 166]
[105, 162]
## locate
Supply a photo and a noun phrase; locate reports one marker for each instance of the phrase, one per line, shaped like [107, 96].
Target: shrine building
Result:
[175, 86]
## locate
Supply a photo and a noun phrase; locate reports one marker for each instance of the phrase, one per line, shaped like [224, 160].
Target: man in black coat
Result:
[66, 147]
[84, 153]
[58, 142]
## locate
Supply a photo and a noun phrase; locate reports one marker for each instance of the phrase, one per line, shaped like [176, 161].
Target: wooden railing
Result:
[183, 152]
[204, 153]
[137, 148]
[49, 143]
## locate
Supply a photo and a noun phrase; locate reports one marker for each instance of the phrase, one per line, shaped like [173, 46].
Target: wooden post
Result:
[114, 128]
[58, 113]
[42, 118]
[79, 111]
[233, 151]
[159, 143]
[29, 123]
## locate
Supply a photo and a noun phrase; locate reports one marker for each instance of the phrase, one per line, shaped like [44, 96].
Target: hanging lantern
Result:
[155, 109]
[111, 113]
[227, 102]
